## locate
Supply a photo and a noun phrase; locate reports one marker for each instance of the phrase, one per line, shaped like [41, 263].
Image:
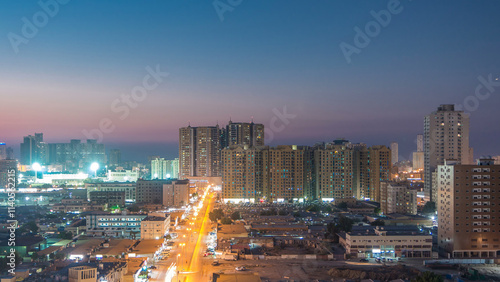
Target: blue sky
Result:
[263, 55]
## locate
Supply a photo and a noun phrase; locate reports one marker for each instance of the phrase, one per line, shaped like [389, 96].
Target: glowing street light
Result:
[36, 167]
[178, 255]
[94, 167]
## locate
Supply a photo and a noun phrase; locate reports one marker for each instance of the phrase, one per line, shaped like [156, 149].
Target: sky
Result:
[64, 69]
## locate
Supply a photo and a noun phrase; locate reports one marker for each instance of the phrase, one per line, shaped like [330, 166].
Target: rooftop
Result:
[388, 230]
[154, 218]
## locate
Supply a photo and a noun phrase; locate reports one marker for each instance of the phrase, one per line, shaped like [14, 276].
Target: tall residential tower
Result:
[446, 136]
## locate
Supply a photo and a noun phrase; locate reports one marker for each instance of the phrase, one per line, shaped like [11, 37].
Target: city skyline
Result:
[380, 96]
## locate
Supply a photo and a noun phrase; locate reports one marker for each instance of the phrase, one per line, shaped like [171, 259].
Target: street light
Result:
[94, 167]
[36, 167]
[178, 255]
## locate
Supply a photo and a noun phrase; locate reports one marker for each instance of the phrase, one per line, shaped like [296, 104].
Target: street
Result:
[189, 248]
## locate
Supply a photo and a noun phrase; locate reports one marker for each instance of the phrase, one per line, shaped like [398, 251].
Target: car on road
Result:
[153, 267]
[241, 268]
[363, 260]
[215, 263]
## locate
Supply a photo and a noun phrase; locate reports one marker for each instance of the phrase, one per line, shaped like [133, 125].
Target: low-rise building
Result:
[110, 198]
[82, 274]
[115, 225]
[76, 208]
[154, 227]
[386, 241]
[127, 187]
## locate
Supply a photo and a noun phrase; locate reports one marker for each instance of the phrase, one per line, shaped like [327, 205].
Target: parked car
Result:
[241, 268]
[215, 263]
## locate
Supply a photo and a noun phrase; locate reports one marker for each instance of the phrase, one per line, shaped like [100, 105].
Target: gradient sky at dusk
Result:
[265, 55]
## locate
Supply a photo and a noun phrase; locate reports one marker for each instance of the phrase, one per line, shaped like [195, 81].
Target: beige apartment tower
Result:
[261, 173]
[244, 173]
[375, 167]
[334, 165]
[397, 198]
[468, 203]
[244, 133]
[199, 151]
[446, 136]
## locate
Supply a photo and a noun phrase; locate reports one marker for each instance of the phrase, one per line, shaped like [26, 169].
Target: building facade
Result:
[34, 150]
[334, 164]
[154, 227]
[467, 203]
[150, 191]
[446, 136]
[199, 151]
[114, 225]
[387, 242]
[176, 193]
[375, 167]
[397, 198]
[128, 187]
[394, 152]
[109, 198]
[8, 174]
[244, 176]
[115, 158]
[164, 169]
[242, 133]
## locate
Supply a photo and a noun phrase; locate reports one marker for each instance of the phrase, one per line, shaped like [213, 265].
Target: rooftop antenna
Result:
[252, 118]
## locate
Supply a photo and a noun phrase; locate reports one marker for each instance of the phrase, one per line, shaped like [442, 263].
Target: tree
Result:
[296, 214]
[226, 220]
[378, 222]
[67, 235]
[345, 224]
[30, 227]
[376, 211]
[342, 205]
[34, 256]
[134, 208]
[429, 208]
[236, 215]
[60, 256]
[216, 214]
[428, 277]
